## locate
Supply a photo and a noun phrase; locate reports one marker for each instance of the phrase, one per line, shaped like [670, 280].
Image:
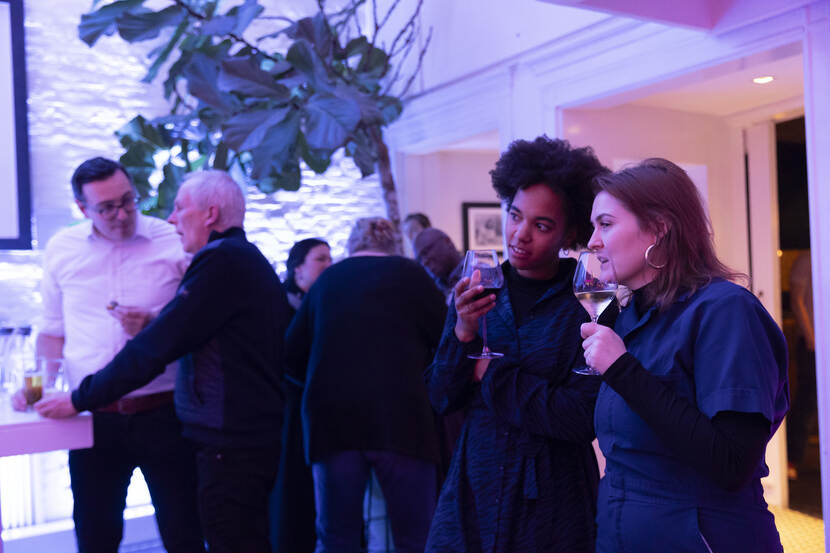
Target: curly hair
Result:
[567, 171]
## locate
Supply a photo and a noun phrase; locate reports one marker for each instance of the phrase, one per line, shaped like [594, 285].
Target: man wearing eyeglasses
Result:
[226, 324]
[103, 281]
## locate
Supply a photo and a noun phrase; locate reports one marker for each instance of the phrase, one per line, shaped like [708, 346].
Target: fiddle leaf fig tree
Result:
[331, 83]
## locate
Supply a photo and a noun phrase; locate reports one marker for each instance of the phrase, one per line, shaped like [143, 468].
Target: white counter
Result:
[28, 432]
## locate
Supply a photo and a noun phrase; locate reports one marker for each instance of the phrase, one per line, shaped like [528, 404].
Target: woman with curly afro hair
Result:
[524, 475]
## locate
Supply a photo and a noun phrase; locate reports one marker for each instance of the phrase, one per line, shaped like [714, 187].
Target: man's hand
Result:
[56, 406]
[132, 319]
[470, 306]
[19, 401]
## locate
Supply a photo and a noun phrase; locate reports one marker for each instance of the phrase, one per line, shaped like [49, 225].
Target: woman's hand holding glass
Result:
[602, 346]
[470, 306]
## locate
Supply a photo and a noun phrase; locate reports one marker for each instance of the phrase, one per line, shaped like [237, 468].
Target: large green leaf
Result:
[139, 129]
[305, 60]
[374, 62]
[390, 108]
[235, 21]
[243, 75]
[135, 26]
[317, 160]
[316, 31]
[246, 131]
[165, 52]
[370, 111]
[330, 121]
[286, 177]
[102, 21]
[168, 188]
[277, 147]
[139, 162]
[361, 149]
[357, 46]
[202, 74]
[245, 14]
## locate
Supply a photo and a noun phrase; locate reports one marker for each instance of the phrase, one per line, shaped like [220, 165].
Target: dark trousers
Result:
[291, 509]
[234, 484]
[100, 476]
[409, 487]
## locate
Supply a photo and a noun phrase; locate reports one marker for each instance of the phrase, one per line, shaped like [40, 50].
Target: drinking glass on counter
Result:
[36, 378]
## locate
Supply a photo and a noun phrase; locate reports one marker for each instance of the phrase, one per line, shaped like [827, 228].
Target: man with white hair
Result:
[226, 323]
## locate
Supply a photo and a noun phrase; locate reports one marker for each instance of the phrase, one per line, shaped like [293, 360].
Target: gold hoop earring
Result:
[648, 262]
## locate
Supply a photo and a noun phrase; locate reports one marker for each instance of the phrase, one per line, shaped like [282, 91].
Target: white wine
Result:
[595, 302]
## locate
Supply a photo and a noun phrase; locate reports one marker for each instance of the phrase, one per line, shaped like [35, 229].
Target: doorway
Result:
[803, 472]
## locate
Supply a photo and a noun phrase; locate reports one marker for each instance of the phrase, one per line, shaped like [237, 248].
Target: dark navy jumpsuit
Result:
[719, 349]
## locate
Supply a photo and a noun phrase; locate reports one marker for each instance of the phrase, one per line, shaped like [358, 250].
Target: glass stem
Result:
[484, 334]
[594, 320]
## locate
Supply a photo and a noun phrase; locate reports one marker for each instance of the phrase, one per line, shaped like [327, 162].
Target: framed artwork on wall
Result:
[482, 226]
[15, 207]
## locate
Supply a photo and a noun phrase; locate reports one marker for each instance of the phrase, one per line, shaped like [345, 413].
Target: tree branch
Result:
[201, 17]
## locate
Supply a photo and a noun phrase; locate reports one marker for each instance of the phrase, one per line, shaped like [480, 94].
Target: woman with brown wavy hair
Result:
[694, 377]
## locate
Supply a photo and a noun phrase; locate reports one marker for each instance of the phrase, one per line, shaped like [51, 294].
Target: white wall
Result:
[437, 184]
[470, 35]
[635, 132]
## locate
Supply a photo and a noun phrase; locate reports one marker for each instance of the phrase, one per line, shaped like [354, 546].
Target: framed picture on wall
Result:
[482, 226]
[15, 208]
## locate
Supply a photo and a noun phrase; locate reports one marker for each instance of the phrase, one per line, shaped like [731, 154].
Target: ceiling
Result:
[723, 90]
[735, 92]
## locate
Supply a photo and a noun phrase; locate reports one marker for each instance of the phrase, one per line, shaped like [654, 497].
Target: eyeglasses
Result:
[109, 210]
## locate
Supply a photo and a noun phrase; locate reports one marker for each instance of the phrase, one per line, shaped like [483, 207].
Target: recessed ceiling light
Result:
[763, 80]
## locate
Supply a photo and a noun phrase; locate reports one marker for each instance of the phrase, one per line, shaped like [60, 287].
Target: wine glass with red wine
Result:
[595, 286]
[486, 262]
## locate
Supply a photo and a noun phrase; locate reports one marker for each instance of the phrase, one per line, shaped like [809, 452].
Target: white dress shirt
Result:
[83, 272]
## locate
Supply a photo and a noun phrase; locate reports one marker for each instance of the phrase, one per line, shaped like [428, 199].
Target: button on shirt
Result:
[84, 272]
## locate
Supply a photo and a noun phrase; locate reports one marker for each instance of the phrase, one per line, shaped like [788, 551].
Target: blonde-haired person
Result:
[694, 377]
[360, 342]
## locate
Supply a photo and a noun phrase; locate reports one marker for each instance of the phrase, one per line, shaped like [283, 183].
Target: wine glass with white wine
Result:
[592, 291]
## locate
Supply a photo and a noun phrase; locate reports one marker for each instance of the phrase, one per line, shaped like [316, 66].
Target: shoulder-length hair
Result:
[666, 203]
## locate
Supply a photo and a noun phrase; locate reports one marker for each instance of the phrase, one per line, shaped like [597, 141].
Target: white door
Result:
[766, 272]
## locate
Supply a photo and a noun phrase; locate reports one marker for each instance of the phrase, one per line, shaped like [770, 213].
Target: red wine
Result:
[486, 292]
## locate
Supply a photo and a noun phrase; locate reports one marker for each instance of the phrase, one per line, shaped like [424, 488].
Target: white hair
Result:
[217, 188]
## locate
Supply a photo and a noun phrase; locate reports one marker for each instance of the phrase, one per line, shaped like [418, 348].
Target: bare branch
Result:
[389, 13]
[375, 20]
[417, 67]
[410, 24]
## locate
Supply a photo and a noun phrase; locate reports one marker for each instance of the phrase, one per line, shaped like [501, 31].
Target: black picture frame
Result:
[23, 241]
[482, 226]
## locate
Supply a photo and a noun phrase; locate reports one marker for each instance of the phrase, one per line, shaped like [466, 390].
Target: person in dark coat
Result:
[523, 477]
[694, 377]
[291, 506]
[360, 343]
